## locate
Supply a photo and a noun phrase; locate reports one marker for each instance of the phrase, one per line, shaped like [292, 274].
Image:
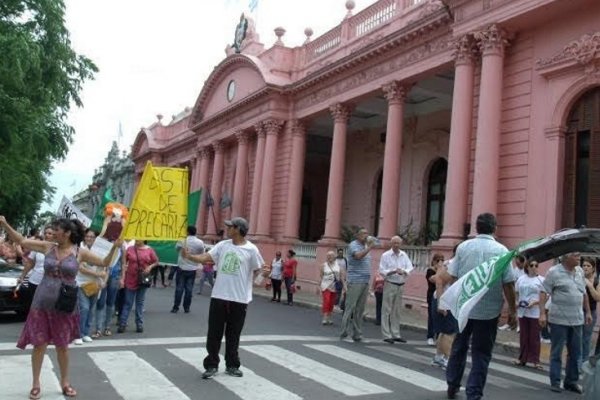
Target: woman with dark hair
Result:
[528, 288]
[139, 259]
[592, 288]
[436, 261]
[45, 323]
[289, 275]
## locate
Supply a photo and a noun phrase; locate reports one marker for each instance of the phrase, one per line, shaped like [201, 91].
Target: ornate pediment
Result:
[582, 51]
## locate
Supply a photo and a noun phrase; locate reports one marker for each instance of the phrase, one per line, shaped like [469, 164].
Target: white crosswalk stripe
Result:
[250, 387]
[149, 384]
[394, 370]
[337, 371]
[493, 380]
[15, 378]
[330, 377]
[532, 376]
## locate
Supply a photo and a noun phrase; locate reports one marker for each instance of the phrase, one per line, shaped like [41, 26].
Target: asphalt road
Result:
[285, 352]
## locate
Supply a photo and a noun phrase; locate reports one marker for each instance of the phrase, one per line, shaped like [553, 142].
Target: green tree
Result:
[41, 77]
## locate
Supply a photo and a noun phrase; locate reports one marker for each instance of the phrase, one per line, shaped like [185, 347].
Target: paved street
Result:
[285, 352]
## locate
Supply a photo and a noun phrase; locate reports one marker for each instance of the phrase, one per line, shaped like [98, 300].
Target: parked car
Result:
[9, 274]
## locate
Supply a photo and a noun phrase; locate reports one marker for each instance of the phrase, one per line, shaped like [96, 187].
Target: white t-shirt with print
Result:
[235, 267]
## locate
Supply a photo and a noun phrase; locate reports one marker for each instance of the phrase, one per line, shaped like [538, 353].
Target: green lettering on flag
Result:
[165, 250]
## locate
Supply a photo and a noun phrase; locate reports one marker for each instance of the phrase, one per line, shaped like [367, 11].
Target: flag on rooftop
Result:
[253, 5]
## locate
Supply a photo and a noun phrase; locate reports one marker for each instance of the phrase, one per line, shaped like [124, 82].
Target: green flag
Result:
[165, 249]
[98, 220]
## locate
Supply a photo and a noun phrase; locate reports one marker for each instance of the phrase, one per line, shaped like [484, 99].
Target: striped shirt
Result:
[359, 271]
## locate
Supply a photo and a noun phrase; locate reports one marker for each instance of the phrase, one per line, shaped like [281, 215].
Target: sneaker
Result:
[139, 329]
[234, 372]
[545, 340]
[324, 322]
[87, 339]
[399, 339]
[187, 311]
[121, 329]
[78, 342]
[437, 361]
[209, 373]
[505, 327]
[430, 342]
[174, 310]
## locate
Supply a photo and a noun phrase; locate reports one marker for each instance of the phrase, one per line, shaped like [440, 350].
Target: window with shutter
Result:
[581, 203]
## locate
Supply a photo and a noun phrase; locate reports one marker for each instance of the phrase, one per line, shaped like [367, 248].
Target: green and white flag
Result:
[465, 293]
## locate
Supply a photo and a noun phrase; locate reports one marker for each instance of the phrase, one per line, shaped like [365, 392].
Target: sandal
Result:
[35, 393]
[519, 363]
[539, 367]
[68, 391]
[107, 332]
[96, 335]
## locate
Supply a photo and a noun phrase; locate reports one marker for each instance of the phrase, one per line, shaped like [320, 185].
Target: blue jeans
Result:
[207, 276]
[586, 340]
[130, 296]
[105, 307]
[482, 335]
[87, 306]
[559, 335]
[184, 286]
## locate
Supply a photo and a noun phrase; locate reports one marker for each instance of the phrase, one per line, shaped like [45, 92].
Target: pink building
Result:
[410, 116]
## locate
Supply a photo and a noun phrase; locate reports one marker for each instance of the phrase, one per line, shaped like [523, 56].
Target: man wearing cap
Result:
[237, 261]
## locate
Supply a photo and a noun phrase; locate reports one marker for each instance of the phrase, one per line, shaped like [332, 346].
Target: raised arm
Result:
[199, 258]
[35, 245]
[91, 258]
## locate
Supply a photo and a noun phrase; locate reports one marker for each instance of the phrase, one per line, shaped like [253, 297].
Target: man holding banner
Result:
[481, 326]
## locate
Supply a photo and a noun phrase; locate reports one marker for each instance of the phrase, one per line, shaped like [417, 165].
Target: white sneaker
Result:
[430, 342]
[438, 361]
[87, 339]
[504, 327]
[78, 342]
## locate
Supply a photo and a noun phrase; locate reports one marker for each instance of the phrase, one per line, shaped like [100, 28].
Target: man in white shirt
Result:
[394, 266]
[236, 260]
[184, 280]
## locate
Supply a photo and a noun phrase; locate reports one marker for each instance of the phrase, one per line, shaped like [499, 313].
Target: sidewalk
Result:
[411, 319]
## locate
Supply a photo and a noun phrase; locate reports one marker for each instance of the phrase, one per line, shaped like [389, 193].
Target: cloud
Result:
[153, 58]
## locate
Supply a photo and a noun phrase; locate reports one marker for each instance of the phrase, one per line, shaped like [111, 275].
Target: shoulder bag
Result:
[144, 279]
[67, 294]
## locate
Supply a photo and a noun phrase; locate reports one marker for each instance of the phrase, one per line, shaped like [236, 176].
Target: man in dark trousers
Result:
[237, 261]
[481, 328]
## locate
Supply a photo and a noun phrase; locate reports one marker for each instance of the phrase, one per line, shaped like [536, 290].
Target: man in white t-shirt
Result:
[237, 261]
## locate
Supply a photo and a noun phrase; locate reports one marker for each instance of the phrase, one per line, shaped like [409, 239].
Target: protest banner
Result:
[165, 250]
[68, 210]
[160, 205]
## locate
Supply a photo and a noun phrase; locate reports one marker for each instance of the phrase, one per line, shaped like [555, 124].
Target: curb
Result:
[506, 345]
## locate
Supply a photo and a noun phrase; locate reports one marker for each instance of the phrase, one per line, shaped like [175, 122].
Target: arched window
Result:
[581, 204]
[436, 195]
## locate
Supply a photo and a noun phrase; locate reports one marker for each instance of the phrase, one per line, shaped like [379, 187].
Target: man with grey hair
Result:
[394, 266]
[565, 284]
[357, 278]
